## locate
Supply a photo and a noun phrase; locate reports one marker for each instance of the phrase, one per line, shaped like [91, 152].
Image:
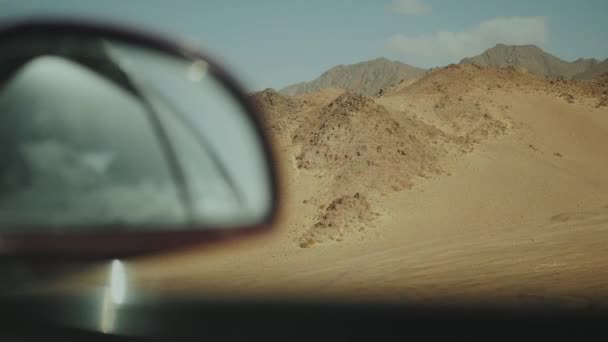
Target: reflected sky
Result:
[90, 153]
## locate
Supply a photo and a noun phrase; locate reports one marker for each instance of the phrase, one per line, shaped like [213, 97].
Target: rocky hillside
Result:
[533, 59]
[352, 150]
[365, 78]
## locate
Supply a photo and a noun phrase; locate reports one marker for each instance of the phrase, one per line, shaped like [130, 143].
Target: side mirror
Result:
[116, 142]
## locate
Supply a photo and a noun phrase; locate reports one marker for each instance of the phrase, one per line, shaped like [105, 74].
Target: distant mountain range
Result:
[594, 71]
[365, 78]
[369, 77]
[533, 59]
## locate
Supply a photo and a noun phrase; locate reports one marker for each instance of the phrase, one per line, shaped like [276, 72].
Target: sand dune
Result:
[471, 183]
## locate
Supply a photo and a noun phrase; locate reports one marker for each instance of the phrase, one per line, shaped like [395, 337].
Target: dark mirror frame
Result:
[100, 246]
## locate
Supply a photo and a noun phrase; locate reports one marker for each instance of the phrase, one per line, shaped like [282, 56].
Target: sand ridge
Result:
[373, 146]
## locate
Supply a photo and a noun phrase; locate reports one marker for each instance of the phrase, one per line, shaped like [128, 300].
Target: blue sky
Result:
[272, 43]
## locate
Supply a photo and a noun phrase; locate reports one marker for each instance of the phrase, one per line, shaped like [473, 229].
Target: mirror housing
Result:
[257, 196]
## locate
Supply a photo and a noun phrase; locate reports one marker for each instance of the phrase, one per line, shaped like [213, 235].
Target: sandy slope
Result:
[509, 201]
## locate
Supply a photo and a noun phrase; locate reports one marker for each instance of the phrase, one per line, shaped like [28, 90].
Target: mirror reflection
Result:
[97, 135]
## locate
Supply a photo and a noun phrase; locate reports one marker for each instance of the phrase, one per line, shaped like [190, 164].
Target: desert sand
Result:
[469, 185]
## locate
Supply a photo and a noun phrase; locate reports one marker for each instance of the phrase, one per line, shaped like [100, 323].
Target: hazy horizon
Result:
[272, 44]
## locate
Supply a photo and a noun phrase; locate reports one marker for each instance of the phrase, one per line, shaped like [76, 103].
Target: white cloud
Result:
[410, 7]
[453, 46]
